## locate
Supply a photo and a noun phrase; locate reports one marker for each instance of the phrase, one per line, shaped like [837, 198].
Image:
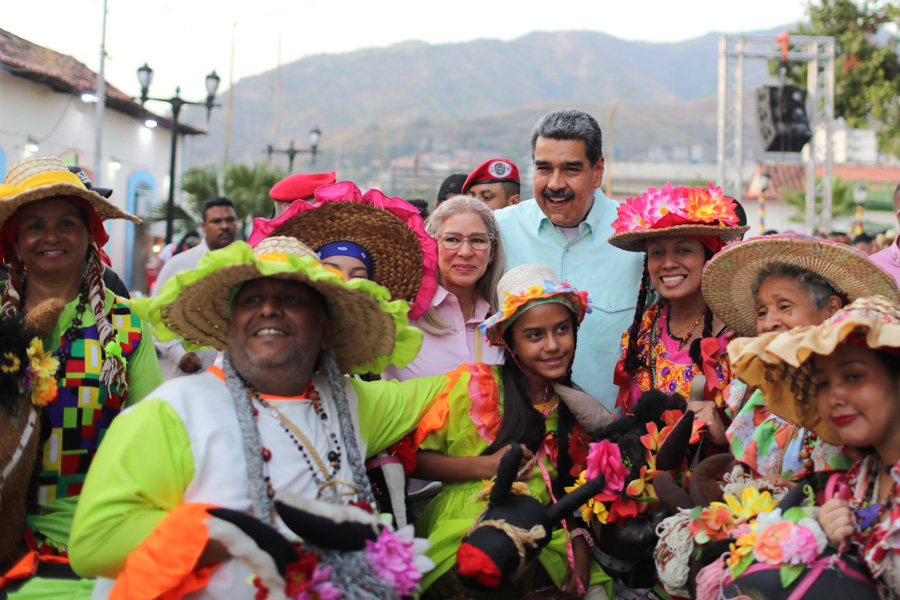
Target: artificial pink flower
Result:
[632, 216]
[660, 203]
[319, 587]
[398, 558]
[606, 458]
[801, 547]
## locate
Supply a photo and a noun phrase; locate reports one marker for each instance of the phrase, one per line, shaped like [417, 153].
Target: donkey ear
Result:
[330, 526]
[793, 498]
[506, 475]
[571, 501]
[674, 448]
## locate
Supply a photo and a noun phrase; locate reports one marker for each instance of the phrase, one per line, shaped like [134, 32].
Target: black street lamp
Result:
[145, 78]
[291, 152]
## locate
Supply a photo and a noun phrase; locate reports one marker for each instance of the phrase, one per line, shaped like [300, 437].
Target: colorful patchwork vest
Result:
[84, 410]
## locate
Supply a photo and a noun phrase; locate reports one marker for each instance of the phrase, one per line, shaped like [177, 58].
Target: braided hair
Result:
[11, 301]
[113, 371]
[633, 360]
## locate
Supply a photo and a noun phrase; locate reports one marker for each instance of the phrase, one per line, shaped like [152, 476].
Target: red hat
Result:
[495, 170]
[300, 185]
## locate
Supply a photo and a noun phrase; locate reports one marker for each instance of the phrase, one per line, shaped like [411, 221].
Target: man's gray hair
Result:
[570, 124]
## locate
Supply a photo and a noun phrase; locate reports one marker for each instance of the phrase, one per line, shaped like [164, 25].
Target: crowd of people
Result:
[346, 383]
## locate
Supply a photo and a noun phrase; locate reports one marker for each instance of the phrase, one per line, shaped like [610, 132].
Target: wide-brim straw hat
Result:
[38, 177]
[729, 277]
[524, 285]
[636, 241]
[371, 331]
[779, 363]
[404, 256]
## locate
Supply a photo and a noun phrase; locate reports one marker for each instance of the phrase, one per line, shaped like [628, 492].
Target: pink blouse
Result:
[443, 353]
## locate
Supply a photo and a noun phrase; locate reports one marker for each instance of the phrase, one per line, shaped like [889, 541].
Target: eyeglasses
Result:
[453, 241]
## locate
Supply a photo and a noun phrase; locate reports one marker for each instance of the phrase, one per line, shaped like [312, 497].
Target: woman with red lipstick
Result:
[50, 224]
[776, 283]
[676, 345]
[841, 379]
[470, 262]
[530, 399]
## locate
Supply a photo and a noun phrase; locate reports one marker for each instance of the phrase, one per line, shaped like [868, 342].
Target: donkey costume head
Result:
[513, 528]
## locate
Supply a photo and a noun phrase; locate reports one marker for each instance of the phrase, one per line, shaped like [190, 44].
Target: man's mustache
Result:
[563, 194]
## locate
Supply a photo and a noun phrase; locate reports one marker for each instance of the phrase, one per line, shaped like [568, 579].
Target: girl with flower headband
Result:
[530, 400]
[677, 344]
[841, 379]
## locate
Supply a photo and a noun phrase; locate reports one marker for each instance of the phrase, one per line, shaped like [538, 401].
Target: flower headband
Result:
[574, 299]
[658, 209]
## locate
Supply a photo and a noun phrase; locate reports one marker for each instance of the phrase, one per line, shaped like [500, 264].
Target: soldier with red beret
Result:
[299, 186]
[495, 182]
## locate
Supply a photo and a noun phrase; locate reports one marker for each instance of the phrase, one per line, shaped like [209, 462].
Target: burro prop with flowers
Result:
[344, 551]
[513, 528]
[633, 454]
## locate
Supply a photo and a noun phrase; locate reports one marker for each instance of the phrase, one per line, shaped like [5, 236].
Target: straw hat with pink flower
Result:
[682, 211]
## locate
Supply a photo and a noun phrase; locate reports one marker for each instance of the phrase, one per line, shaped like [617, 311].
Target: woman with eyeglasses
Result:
[470, 262]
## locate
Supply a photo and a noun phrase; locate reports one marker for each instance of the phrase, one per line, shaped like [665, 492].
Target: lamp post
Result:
[145, 78]
[764, 180]
[314, 135]
[860, 193]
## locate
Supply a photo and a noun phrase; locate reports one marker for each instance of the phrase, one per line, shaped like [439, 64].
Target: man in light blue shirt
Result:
[566, 227]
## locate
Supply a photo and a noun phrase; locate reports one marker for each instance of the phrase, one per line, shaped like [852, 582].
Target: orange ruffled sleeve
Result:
[162, 567]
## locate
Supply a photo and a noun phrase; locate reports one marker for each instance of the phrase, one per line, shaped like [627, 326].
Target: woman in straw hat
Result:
[470, 262]
[776, 283]
[677, 344]
[841, 379]
[529, 399]
[50, 224]
[278, 419]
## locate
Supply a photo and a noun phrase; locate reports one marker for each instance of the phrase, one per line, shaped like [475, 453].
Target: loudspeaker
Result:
[781, 117]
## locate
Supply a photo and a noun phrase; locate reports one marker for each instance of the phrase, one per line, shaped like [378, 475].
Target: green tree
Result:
[867, 73]
[842, 203]
[247, 186]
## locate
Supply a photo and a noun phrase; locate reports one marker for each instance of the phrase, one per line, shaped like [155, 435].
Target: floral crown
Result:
[626, 495]
[32, 371]
[578, 301]
[668, 207]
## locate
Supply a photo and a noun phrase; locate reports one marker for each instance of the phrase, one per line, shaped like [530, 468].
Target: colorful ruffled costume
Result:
[672, 370]
[464, 422]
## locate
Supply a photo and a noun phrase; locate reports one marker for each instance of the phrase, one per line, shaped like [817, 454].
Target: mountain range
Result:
[454, 105]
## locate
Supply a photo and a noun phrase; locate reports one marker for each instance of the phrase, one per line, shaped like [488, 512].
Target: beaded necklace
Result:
[869, 509]
[683, 341]
[71, 333]
[322, 475]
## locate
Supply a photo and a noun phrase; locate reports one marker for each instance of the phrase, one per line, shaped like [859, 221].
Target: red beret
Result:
[492, 171]
[300, 185]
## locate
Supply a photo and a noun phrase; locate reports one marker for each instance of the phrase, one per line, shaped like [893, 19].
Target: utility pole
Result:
[101, 105]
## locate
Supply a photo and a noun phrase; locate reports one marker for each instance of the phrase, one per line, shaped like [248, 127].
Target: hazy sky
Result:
[183, 40]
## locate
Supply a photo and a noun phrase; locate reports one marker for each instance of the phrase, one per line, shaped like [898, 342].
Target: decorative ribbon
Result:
[709, 347]
[621, 378]
[114, 348]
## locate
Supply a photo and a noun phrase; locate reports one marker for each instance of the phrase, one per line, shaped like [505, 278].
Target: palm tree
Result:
[841, 200]
[247, 186]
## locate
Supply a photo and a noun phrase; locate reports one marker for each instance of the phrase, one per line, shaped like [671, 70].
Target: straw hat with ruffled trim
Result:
[526, 285]
[38, 177]
[371, 332]
[404, 257]
[779, 363]
[677, 211]
[729, 277]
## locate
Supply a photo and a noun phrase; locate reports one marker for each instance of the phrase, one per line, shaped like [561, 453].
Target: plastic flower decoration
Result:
[40, 373]
[791, 542]
[513, 302]
[398, 558]
[677, 206]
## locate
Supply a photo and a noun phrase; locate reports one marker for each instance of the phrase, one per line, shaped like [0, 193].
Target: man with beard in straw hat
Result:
[278, 420]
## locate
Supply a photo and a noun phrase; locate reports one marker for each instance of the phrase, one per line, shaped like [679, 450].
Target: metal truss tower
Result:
[818, 53]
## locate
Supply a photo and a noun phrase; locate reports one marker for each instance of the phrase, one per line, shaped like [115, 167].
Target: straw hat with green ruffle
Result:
[371, 331]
